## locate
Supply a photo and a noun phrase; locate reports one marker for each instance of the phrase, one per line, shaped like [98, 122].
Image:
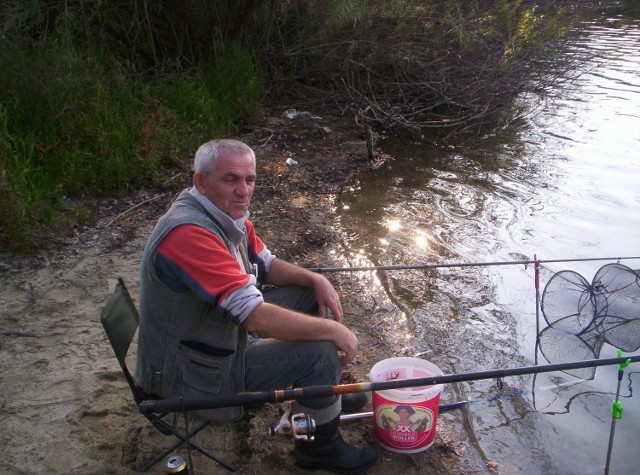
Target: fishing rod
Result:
[536, 280]
[314, 392]
[461, 264]
[616, 413]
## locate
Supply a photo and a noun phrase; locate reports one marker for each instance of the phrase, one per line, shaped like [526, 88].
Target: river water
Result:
[562, 184]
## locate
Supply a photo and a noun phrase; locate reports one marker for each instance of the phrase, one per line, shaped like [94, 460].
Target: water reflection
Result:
[563, 185]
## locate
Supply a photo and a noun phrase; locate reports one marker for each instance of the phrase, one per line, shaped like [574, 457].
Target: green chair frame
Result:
[120, 319]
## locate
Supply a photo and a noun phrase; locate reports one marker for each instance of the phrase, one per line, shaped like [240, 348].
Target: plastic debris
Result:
[293, 113]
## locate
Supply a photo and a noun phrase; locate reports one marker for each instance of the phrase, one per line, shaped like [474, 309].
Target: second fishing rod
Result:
[311, 392]
[463, 264]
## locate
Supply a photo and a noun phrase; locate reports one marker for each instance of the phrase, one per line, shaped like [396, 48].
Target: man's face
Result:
[230, 185]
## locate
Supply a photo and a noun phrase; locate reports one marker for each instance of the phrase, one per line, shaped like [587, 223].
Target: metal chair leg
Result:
[184, 439]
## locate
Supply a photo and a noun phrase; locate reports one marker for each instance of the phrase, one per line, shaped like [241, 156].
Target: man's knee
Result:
[300, 299]
[328, 353]
[322, 363]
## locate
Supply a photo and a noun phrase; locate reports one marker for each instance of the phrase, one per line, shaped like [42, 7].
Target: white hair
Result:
[208, 153]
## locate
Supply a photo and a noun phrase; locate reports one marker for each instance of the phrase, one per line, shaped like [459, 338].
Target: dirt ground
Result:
[64, 405]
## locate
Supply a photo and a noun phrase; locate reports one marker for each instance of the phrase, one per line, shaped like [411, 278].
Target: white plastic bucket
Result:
[404, 420]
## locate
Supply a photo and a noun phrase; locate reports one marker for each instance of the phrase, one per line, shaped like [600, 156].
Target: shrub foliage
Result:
[102, 97]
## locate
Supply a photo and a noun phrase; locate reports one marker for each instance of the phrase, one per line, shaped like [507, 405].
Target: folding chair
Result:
[120, 321]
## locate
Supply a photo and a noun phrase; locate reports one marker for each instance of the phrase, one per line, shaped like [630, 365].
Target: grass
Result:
[71, 128]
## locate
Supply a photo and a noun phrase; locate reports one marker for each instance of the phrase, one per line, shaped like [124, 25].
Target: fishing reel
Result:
[299, 426]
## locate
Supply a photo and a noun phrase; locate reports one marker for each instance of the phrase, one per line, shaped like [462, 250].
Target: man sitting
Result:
[206, 328]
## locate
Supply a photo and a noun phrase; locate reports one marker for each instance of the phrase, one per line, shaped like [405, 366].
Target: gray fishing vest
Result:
[187, 347]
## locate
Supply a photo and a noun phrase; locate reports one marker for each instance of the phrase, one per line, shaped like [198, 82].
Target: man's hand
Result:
[284, 273]
[347, 345]
[328, 298]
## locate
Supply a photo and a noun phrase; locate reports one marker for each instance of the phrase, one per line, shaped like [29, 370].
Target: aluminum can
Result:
[177, 466]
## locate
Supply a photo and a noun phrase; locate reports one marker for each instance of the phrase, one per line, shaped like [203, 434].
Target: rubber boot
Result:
[329, 451]
[353, 402]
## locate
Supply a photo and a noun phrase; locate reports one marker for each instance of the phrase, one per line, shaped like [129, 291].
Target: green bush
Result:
[419, 66]
[101, 97]
[72, 128]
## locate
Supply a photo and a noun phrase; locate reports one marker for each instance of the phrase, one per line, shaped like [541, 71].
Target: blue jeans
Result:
[277, 364]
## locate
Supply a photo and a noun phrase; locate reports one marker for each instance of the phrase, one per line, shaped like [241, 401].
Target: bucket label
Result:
[404, 426]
